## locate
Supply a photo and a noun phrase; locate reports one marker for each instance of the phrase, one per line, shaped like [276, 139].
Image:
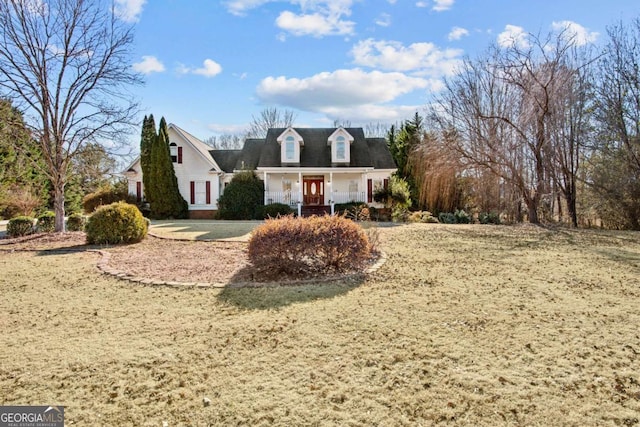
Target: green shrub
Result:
[46, 222]
[76, 222]
[305, 246]
[489, 218]
[242, 198]
[116, 223]
[106, 196]
[462, 217]
[20, 226]
[447, 218]
[274, 210]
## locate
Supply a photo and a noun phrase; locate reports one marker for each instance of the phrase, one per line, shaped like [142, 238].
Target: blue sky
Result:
[210, 65]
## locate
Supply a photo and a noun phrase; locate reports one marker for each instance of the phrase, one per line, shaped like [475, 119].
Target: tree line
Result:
[547, 130]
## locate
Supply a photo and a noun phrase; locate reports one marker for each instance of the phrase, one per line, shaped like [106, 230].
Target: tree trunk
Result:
[58, 205]
[532, 207]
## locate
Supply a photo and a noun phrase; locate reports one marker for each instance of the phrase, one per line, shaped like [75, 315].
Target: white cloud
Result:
[442, 5]
[210, 68]
[317, 18]
[368, 113]
[314, 24]
[148, 65]
[339, 89]
[422, 4]
[384, 20]
[457, 33]
[579, 34]
[240, 7]
[514, 36]
[129, 10]
[425, 58]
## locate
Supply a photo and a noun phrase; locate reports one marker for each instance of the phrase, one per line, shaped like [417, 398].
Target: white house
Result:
[310, 169]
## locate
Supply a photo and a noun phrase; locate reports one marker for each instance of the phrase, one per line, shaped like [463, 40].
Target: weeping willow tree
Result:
[437, 173]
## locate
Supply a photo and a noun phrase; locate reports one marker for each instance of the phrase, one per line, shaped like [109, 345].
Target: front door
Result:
[313, 190]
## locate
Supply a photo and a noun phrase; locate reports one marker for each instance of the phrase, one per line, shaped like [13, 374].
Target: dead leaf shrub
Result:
[301, 247]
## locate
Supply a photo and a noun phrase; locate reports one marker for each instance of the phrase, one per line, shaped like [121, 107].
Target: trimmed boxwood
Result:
[20, 226]
[76, 222]
[46, 222]
[116, 223]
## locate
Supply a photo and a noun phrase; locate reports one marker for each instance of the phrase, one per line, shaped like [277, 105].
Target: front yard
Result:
[463, 325]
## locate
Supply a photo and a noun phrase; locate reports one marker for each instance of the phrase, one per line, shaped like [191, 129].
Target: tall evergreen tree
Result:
[167, 201]
[147, 140]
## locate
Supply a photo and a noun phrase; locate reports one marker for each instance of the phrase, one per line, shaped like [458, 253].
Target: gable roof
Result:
[199, 146]
[365, 152]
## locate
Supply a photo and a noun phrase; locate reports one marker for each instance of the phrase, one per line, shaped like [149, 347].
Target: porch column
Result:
[300, 194]
[330, 189]
[365, 176]
[266, 187]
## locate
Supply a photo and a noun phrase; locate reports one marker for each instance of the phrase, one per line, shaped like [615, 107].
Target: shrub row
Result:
[302, 247]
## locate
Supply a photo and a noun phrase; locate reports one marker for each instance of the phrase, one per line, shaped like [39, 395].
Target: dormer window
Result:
[340, 147]
[340, 142]
[290, 146]
[175, 152]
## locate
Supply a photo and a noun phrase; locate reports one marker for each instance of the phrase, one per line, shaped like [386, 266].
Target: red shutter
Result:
[179, 154]
[208, 190]
[138, 191]
[369, 190]
[386, 184]
[193, 193]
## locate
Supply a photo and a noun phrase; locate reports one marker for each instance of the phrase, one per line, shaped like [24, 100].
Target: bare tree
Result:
[615, 164]
[269, 118]
[66, 64]
[225, 142]
[376, 130]
[501, 108]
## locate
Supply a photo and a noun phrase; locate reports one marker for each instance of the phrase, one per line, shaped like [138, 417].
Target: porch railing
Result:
[291, 198]
[284, 197]
[348, 196]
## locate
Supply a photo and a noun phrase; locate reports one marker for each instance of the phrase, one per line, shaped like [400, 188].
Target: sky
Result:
[210, 66]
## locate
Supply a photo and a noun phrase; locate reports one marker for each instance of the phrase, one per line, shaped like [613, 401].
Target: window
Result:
[200, 192]
[290, 148]
[286, 190]
[340, 148]
[353, 190]
[173, 149]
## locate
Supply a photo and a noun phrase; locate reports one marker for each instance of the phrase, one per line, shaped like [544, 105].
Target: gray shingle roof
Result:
[226, 159]
[265, 153]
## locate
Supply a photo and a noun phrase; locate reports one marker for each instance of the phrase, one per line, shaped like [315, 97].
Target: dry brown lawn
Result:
[464, 325]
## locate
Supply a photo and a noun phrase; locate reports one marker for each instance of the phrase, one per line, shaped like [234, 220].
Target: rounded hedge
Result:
[302, 247]
[243, 198]
[76, 222]
[116, 223]
[46, 222]
[20, 226]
